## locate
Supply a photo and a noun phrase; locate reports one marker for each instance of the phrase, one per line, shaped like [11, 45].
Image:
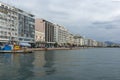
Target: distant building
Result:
[78, 40]
[39, 36]
[48, 29]
[95, 43]
[60, 35]
[70, 39]
[101, 44]
[90, 42]
[85, 42]
[39, 39]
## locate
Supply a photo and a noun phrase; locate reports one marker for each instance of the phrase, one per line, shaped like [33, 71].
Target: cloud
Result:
[107, 25]
[93, 18]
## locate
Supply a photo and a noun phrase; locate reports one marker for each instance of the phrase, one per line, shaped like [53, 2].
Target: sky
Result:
[94, 19]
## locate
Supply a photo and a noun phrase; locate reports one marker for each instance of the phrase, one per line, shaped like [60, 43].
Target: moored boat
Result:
[14, 49]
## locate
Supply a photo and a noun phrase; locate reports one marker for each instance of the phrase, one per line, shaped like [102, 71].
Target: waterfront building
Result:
[16, 25]
[78, 40]
[39, 38]
[26, 27]
[8, 23]
[71, 39]
[48, 29]
[85, 42]
[95, 43]
[101, 44]
[60, 35]
[90, 43]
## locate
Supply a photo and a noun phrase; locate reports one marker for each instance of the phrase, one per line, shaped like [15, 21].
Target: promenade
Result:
[62, 48]
[45, 49]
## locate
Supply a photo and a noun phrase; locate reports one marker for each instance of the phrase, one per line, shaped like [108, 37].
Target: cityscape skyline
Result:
[98, 20]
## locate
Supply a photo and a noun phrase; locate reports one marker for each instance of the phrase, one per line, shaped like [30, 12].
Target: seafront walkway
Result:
[45, 49]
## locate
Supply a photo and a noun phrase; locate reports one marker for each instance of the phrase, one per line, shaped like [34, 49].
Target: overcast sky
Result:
[96, 19]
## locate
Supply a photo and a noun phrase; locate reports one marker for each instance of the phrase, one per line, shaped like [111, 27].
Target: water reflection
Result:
[16, 66]
[88, 64]
[43, 63]
[26, 66]
[39, 62]
[49, 65]
[5, 59]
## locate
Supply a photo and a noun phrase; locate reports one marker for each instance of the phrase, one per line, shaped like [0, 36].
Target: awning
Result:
[25, 44]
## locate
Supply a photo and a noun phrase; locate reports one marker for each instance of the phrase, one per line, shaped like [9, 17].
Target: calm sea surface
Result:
[84, 64]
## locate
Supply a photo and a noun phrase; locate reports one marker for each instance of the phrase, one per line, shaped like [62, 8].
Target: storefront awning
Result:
[25, 44]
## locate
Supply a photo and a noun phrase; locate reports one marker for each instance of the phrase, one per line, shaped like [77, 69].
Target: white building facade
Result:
[16, 25]
[70, 40]
[8, 23]
[79, 40]
[39, 36]
[60, 35]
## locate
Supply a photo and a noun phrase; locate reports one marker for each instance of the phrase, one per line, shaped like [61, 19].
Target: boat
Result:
[16, 49]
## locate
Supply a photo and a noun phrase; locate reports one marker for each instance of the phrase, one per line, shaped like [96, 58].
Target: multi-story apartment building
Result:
[90, 43]
[48, 29]
[100, 44]
[26, 27]
[39, 39]
[78, 40]
[16, 25]
[94, 43]
[70, 39]
[85, 42]
[60, 35]
[8, 23]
